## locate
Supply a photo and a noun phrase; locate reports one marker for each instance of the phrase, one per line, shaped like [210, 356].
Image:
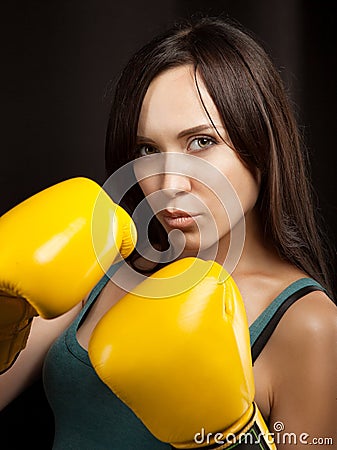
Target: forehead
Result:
[172, 99]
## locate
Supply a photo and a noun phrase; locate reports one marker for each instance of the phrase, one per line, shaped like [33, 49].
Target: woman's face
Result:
[197, 193]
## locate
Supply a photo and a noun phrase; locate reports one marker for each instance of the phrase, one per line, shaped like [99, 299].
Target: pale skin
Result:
[295, 375]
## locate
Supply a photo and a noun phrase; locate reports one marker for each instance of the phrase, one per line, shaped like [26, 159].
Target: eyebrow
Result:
[187, 132]
[195, 130]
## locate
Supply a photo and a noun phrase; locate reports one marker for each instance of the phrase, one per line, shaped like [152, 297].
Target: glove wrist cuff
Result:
[240, 427]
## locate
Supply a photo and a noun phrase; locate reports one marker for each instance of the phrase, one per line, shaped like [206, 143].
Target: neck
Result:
[246, 254]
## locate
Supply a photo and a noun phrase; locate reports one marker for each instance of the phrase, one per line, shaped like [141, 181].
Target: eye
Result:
[201, 143]
[146, 150]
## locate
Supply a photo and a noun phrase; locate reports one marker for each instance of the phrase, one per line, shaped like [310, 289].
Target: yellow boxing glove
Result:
[55, 246]
[181, 359]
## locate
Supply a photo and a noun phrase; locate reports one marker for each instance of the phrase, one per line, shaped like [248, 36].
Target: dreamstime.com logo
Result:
[277, 437]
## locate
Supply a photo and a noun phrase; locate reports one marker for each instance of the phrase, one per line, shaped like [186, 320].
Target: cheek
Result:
[244, 183]
[235, 199]
[247, 188]
[153, 194]
[148, 185]
[236, 180]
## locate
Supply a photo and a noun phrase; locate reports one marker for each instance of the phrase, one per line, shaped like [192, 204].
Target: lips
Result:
[177, 213]
[176, 218]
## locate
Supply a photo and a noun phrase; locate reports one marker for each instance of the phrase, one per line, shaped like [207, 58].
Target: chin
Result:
[208, 251]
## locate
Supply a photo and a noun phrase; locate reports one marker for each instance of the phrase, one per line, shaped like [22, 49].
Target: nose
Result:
[173, 180]
[173, 184]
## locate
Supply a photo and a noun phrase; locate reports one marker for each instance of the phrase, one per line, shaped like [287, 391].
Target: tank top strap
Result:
[263, 327]
[96, 290]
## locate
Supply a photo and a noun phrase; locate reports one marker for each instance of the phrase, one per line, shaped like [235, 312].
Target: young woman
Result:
[207, 89]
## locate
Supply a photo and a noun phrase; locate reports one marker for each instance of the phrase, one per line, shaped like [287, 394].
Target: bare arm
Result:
[304, 407]
[28, 366]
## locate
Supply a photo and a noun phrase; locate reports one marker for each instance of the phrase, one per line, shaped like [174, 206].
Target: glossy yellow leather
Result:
[55, 246]
[180, 362]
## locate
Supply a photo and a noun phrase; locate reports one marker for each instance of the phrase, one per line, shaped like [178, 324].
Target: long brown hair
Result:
[252, 101]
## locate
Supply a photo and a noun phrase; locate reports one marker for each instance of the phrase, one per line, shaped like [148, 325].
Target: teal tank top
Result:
[88, 416]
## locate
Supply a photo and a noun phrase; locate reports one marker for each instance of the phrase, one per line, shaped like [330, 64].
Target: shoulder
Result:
[303, 360]
[311, 316]
[307, 328]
